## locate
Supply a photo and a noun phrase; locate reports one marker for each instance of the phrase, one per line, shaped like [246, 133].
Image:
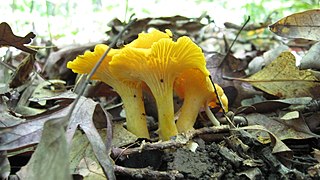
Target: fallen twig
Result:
[146, 173]
[161, 145]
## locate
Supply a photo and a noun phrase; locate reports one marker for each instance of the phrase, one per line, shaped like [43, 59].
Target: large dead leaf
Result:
[299, 25]
[83, 118]
[283, 79]
[50, 160]
[85, 112]
[28, 132]
[294, 128]
[7, 38]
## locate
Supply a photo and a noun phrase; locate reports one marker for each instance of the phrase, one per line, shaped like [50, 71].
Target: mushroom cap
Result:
[164, 61]
[145, 40]
[83, 64]
[194, 82]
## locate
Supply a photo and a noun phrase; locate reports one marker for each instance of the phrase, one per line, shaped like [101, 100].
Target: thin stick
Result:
[221, 105]
[216, 92]
[269, 80]
[229, 49]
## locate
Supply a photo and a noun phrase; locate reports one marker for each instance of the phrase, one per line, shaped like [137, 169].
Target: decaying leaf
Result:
[179, 25]
[55, 66]
[253, 173]
[261, 105]
[7, 38]
[48, 88]
[83, 118]
[278, 145]
[312, 59]
[4, 165]
[90, 169]
[82, 159]
[28, 132]
[299, 25]
[283, 129]
[122, 136]
[283, 79]
[21, 75]
[50, 160]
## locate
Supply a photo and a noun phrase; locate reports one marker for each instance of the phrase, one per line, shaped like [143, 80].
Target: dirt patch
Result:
[237, 156]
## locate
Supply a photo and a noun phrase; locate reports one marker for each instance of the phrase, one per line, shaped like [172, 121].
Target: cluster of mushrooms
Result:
[155, 62]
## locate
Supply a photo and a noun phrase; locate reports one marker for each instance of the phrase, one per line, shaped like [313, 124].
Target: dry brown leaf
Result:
[283, 129]
[7, 38]
[283, 79]
[299, 25]
[56, 64]
[21, 75]
[28, 132]
[277, 144]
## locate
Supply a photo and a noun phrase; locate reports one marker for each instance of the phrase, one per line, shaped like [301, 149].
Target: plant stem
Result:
[132, 99]
[167, 126]
[189, 113]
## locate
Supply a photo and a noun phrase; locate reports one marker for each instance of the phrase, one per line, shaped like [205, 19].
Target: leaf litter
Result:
[272, 127]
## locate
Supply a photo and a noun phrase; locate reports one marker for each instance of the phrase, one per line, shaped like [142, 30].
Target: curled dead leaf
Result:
[299, 25]
[7, 38]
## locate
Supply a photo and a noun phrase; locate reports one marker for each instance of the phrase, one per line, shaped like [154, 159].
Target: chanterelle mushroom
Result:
[158, 67]
[196, 89]
[129, 91]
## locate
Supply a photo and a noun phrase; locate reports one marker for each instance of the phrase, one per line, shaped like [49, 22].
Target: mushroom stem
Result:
[189, 113]
[167, 126]
[211, 116]
[132, 99]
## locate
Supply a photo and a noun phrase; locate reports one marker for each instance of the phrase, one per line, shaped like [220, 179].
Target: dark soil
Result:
[237, 156]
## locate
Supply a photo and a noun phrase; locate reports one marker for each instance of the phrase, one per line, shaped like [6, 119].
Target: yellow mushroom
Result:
[196, 89]
[129, 91]
[145, 40]
[158, 67]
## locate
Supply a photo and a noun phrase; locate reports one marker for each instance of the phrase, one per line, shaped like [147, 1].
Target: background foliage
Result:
[72, 21]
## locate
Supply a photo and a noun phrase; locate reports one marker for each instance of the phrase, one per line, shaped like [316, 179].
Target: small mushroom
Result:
[158, 67]
[129, 91]
[197, 91]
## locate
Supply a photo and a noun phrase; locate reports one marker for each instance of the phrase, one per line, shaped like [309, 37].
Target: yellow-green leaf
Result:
[299, 25]
[283, 79]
